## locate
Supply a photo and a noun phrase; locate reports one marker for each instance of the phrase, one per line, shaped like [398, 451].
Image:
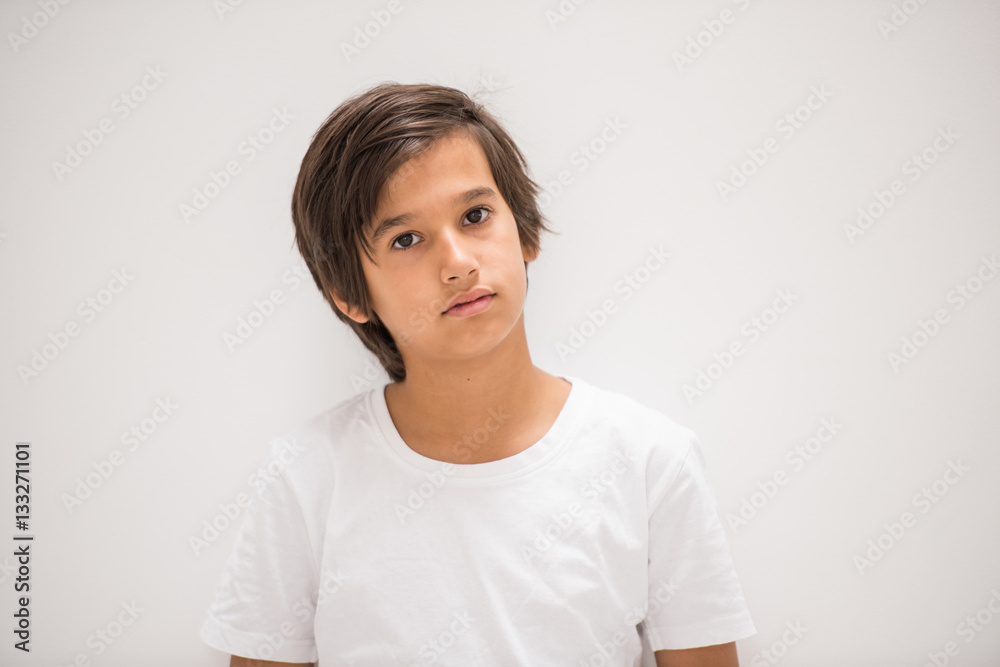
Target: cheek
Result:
[384, 294]
[410, 304]
[509, 239]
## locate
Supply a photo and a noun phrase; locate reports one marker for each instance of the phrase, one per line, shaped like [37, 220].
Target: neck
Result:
[492, 398]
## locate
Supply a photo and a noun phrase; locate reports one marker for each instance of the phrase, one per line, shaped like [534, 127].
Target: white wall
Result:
[683, 129]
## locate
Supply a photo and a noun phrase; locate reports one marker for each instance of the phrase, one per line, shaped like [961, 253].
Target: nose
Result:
[457, 257]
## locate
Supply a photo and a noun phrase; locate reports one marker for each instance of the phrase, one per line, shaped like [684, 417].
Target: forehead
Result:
[455, 154]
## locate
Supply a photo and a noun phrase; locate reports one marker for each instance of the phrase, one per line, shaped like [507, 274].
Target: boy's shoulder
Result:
[314, 437]
[341, 416]
[654, 443]
[633, 420]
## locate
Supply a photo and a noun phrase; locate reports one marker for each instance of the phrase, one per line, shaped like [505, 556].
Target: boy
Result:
[475, 510]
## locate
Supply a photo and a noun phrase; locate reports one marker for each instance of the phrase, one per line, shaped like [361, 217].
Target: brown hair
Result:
[354, 154]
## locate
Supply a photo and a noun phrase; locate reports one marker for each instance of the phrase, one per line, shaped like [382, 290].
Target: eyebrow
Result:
[467, 197]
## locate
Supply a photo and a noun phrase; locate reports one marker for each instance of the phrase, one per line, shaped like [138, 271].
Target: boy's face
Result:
[450, 240]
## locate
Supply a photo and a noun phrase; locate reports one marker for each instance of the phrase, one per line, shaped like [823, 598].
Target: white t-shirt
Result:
[600, 538]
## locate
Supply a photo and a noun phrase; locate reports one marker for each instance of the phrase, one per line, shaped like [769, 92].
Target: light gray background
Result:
[555, 86]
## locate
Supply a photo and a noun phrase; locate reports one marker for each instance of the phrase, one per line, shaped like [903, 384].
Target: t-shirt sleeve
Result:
[695, 597]
[264, 604]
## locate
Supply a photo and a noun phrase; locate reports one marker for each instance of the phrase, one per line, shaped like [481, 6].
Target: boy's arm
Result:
[237, 661]
[719, 655]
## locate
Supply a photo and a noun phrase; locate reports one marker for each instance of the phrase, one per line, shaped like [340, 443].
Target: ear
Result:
[530, 255]
[351, 311]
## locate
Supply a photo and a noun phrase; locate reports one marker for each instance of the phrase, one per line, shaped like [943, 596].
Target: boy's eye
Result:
[476, 216]
[402, 236]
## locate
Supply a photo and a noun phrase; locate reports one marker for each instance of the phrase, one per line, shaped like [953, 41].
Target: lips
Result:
[466, 297]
